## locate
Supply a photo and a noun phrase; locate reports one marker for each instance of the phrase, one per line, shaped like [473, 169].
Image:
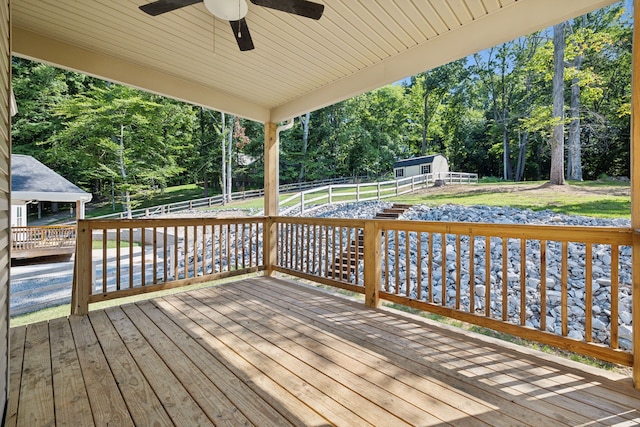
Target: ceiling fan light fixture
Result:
[229, 10]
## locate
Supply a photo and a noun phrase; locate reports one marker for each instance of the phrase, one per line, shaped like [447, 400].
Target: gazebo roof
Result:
[32, 180]
[298, 64]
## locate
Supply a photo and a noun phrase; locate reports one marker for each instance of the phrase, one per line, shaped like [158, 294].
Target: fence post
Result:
[301, 202]
[378, 191]
[372, 264]
[329, 195]
[396, 187]
[82, 280]
[413, 183]
[357, 192]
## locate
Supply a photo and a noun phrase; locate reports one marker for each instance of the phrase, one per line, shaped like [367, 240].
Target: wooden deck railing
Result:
[537, 282]
[138, 256]
[493, 282]
[29, 242]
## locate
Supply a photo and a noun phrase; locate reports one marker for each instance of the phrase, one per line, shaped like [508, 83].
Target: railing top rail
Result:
[586, 234]
[43, 227]
[102, 224]
[346, 222]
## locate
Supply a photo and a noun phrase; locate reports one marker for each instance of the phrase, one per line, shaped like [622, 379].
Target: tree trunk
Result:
[506, 147]
[304, 120]
[425, 116]
[574, 166]
[123, 172]
[506, 158]
[522, 155]
[229, 156]
[205, 187]
[223, 184]
[557, 138]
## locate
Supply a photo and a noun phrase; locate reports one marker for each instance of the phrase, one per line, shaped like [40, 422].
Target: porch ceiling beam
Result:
[40, 48]
[512, 21]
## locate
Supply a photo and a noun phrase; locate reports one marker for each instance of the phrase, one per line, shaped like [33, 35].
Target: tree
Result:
[122, 136]
[557, 138]
[304, 121]
[427, 93]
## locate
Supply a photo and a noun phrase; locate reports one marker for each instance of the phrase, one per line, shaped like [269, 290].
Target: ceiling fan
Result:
[234, 11]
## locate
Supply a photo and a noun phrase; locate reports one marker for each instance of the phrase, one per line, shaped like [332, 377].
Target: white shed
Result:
[434, 163]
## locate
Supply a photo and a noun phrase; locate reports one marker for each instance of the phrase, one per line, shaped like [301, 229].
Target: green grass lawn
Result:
[175, 194]
[605, 200]
[596, 201]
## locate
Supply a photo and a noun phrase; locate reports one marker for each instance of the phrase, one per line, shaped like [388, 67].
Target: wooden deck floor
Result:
[268, 352]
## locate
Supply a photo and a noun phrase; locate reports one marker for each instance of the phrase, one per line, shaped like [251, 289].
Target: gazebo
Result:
[298, 65]
[33, 182]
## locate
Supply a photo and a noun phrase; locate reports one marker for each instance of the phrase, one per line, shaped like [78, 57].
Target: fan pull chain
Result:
[239, 35]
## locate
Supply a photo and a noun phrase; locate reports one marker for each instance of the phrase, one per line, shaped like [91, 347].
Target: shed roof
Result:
[32, 180]
[298, 64]
[415, 161]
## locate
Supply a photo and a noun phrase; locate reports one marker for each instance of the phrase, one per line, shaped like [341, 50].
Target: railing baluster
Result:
[523, 284]
[130, 258]
[118, 245]
[228, 241]
[386, 260]
[155, 255]
[185, 251]
[487, 277]
[143, 266]
[615, 296]
[472, 274]
[419, 264]
[165, 240]
[407, 262]
[565, 288]
[237, 243]
[588, 287]
[204, 250]
[396, 262]
[458, 271]
[315, 247]
[220, 242]
[505, 278]
[326, 251]
[443, 267]
[104, 260]
[196, 264]
[543, 285]
[430, 267]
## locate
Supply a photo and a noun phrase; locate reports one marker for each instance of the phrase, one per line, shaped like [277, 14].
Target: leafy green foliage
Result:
[489, 113]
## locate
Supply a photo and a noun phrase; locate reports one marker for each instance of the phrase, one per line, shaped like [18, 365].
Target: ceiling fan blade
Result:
[162, 6]
[304, 8]
[242, 35]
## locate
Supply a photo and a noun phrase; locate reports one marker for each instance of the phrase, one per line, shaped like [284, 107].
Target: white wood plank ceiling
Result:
[298, 64]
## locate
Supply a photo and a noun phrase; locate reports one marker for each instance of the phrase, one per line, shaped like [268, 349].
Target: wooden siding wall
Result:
[5, 193]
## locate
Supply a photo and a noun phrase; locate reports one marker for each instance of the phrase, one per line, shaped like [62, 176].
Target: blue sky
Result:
[628, 14]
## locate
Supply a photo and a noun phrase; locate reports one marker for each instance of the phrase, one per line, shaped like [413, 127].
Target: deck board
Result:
[270, 352]
[16, 357]
[175, 398]
[143, 404]
[70, 398]
[107, 405]
[36, 388]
